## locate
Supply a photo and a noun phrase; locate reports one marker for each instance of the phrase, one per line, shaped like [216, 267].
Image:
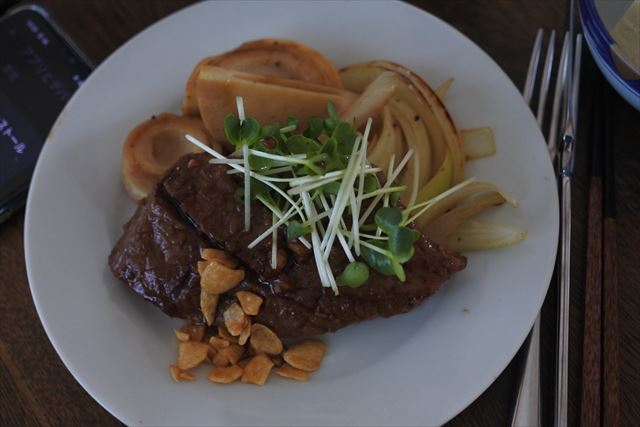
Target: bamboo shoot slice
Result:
[267, 99]
[273, 57]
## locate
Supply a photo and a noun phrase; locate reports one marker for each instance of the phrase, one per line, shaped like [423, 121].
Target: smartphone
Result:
[40, 68]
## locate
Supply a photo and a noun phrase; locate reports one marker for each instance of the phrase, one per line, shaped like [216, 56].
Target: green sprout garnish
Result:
[239, 133]
[354, 275]
[388, 257]
[320, 188]
[296, 229]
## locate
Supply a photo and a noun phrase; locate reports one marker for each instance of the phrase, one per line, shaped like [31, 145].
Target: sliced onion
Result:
[451, 198]
[400, 146]
[439, 183]
[381, 148]
[443, 89]
[477, 143]
[439, 229]
[477, 236]
[416, 137]
[357, 77]
[443, 118]
[372, 99]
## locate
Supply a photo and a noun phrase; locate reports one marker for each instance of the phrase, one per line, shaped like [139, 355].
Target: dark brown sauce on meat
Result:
[157, 255]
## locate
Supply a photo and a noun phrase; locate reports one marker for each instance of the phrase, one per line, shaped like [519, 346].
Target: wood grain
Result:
[505, 29]
[611, 330]
[592, 346]
[611, 371]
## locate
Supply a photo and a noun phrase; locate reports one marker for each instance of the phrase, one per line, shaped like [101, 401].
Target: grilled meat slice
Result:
[205, 194]
[158, 252]
[296, 305]
[156, 257]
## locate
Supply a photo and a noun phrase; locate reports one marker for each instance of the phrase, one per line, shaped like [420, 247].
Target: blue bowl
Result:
[600, 41]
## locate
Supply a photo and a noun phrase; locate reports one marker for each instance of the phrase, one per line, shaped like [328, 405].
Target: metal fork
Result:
[567, 161]
[527, 406]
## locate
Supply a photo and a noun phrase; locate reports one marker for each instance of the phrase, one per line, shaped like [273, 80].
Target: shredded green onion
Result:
[316, 182]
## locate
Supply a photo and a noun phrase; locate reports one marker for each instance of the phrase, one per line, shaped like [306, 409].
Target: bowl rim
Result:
[597, 32]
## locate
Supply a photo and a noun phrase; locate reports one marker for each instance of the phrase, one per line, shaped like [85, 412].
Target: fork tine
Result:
[533, 67]
[576, 78]
[546, 77]
[557, 97]
[526, 410]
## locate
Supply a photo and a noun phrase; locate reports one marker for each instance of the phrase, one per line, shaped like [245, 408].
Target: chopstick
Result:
[600, 403]
[591, 363]
[611, 362]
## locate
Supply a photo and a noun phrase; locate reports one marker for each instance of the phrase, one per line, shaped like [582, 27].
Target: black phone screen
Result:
[39, 72]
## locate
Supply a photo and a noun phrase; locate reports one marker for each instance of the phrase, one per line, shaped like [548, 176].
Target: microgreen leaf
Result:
[333, 113]
[259, 188]
[388, 219]
[239, 195]
[401, 242]
[270, 131]
[398, 270]
[329, 125]
[394, 197]
[311, 166]
[368, 227]
[314, 128]
[302, 170]
[378, 261]
[238, 134]
[295, 229]
[232, 129]
[334, 160]
[370, 183]
[299, 144]
[330, 147]
[292, 121]
[354, 275]
[345, 136]
[331, 188]
[260, 163]
[332, 121]
[250, 131]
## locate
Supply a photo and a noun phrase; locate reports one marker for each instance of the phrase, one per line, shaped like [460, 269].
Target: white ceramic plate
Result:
[421, 368]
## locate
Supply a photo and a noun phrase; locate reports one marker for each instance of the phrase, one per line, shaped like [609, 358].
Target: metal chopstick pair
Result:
[527, 405]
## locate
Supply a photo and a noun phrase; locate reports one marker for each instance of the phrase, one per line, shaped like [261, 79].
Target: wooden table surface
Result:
[36, 388]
